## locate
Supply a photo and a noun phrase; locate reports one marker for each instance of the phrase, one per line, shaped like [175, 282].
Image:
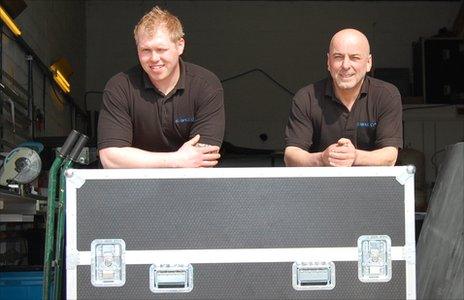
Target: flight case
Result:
[241, 233]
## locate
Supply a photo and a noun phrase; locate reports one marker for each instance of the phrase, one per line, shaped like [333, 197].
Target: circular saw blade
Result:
[22, 165]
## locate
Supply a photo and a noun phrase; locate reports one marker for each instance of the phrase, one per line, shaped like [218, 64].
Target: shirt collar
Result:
[329, 90]
[181, 82]
[147, 84]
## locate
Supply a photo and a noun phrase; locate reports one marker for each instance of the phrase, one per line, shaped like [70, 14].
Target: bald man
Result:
[349, 118]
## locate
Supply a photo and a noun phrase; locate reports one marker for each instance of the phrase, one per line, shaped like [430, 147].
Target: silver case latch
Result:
[374, 258]
[107, 266]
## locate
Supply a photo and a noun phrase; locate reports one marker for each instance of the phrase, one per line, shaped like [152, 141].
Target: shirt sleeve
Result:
[390, 121]
[299, 129]
[210, 116]
[114, 123]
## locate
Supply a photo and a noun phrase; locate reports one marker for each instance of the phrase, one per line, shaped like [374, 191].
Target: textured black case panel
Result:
[219, 213]
[248, 281]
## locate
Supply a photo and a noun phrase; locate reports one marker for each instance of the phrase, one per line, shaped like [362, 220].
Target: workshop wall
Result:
[53, 29]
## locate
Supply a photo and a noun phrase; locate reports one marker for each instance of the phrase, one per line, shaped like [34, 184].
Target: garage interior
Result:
[56, 57]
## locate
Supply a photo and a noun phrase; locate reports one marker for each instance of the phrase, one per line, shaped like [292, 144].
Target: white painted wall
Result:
[431, 129]
[287, 39]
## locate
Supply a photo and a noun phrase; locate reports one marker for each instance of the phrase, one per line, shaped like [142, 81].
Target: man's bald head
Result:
[350, 36]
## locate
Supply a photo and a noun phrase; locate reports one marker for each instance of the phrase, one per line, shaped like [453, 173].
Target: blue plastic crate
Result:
[21, 285]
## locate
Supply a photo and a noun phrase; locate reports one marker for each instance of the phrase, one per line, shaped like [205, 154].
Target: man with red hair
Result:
[164, 112]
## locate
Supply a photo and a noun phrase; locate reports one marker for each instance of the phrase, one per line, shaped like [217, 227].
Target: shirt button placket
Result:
[350, 128]
[163, 114]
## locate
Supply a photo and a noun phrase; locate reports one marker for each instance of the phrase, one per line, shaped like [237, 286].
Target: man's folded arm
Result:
[188, 156]
[297, 157]
[385, 156]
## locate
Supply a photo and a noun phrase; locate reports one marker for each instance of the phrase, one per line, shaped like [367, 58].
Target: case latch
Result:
[166, 278]
[313, 275]
[108, 265]
[374, 258]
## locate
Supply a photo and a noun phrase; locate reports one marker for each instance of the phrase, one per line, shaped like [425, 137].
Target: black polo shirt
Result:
[318, 119]
[136, 114]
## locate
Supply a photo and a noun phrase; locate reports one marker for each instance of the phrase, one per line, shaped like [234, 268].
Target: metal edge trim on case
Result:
[71, 284]
[278, 172]
[262, 255]
[77, 180]
[409, 172]
[72, 260]
[410, 238]
[71, 240]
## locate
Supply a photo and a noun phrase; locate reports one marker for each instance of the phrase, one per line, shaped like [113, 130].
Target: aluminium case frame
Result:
[76, 257]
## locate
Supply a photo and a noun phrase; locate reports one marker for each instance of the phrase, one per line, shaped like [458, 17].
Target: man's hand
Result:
[340, 154]
[206, 145]
[195, 155]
